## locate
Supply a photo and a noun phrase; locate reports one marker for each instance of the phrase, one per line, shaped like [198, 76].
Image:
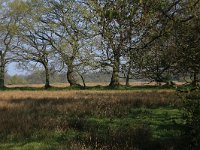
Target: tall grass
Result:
[80, 119]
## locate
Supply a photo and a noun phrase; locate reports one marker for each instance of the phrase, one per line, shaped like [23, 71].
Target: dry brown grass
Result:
[24, 113]
[99, 101]
[15, 94]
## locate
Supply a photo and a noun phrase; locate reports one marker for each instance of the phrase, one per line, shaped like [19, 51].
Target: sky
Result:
[13, 70]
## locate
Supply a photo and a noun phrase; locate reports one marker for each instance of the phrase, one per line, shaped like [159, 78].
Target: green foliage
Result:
[111, 14]
[191, 107]
[18, 7]
[16, 80]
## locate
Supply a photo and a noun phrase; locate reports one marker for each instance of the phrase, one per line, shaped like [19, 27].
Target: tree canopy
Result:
[153, 40]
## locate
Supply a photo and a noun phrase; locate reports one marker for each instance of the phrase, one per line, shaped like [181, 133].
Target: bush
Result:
[191, 132]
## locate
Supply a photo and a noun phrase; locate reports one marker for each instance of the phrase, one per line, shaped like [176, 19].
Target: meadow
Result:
[90, 119]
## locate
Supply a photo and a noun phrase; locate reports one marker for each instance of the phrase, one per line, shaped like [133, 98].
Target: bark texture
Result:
[115, 74]
[70, 76]
[2, 70]
[47, 77]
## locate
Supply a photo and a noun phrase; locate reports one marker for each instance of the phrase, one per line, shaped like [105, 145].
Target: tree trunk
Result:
[2, 78]
[70, 76]
[47, 76]
[128, 74]
[195, 80]
[169, 83]
[115, 74]
[83, 80]
[2, 71]
[127, 80]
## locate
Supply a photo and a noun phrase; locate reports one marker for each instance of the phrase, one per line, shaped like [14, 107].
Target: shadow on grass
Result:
[153, 128]
[44, 101]
[52, 88]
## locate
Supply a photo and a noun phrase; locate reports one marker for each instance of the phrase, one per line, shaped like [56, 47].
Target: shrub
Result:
[191, 132]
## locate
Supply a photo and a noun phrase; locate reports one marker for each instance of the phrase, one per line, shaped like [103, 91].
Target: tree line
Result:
[156, 40]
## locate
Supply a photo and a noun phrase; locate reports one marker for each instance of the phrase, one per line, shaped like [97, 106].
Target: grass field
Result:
[74, 119]
[91, 87]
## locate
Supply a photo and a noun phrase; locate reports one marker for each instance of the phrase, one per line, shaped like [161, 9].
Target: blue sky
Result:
[13, 70]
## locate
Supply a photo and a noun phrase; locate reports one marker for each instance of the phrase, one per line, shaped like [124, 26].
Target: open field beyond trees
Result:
[76, 119]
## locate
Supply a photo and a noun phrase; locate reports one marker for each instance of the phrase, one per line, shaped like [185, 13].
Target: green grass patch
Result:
[162, 121]
[41, 140]
[161, 125]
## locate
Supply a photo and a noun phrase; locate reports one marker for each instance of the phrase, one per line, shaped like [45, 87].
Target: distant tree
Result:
[151, 52]
[8, 29]
[33, 49]
[16, 79]
[187, 33]
[112, 18]
[36, 76]
[126, 29]
[66, 29]
[157, 64]
[30, 47]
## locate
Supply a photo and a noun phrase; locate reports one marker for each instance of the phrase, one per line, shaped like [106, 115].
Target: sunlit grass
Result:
[88, 119]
